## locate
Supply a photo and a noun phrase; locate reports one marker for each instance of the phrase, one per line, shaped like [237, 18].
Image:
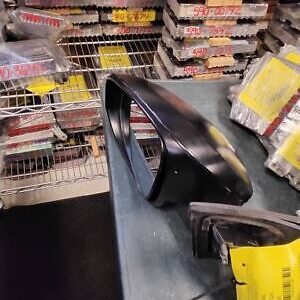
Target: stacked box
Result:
[131, 17]
[286, 24]
[83, 16]
[283, 29]
[28, 137]
[210, 38]
[78, 89]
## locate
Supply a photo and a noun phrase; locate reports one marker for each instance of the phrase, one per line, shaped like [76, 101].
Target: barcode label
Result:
[286, 283]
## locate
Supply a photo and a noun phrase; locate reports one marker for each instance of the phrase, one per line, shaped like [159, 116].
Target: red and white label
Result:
[131, 30]
[39, 19]
[18, 71]
[208, 31]
[203, 11]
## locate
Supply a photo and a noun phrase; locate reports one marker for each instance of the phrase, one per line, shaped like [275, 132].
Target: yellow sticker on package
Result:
[293, 57]
[114, 57]
[290, 150]
[133, 15]
[271, 89]
[265, 273]
[41, 86]
[74, 90]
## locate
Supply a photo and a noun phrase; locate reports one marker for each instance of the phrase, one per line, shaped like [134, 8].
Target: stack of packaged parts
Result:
[286, 24]
[79, 89]
[31, 58]
[272, 4]
[28, 137]
[82, 16]
[209, 39]
[268, 103]
[131, 17]
[283, 29]
[28, 23]
[84, 20]
[23, 61]
[141, 125]
[70, 153]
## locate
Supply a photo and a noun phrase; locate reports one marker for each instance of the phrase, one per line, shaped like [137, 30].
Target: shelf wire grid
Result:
[147, 138]
[44, 171]
[85, 52]
[67, 164]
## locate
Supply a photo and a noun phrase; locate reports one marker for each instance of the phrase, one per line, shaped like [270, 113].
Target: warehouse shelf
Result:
[42, 172]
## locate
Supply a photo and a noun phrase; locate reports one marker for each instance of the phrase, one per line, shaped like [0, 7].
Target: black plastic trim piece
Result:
[197, 162]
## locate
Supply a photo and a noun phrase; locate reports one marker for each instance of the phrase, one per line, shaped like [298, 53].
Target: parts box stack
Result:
[268, 103]
[131, 17]
[82, 15]
[209, 39]
[283, 29]
[286, 24]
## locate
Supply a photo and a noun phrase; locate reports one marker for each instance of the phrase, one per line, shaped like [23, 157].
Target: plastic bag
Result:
[268, 102]
[33, 23]
[78, 90]
[266, 91]
[31, 58]
[285, 161]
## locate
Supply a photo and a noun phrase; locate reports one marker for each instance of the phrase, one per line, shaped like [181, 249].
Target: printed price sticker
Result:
[220, 31]
[210, 31]
[132, 16]
[10, 72]
[220, 11]
[114, 57]
[200, 52]
[40, 19]
[191, 70]
[283, 83]
[212, 51]
[74, 90]
[132, 30]
[191, 31]
[290, 150]
[271, 272]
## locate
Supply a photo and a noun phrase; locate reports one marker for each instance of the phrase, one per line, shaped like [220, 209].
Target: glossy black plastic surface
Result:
[197, 162]
[218, 227]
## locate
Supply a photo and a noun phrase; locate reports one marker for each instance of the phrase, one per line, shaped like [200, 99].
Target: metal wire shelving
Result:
[79, 161]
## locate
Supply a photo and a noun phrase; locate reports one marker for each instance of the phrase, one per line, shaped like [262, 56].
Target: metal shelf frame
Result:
[41, 172]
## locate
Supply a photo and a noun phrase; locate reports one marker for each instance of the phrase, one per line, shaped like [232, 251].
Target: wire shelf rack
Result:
[140, 50]
[78, 162]
[147, 137]
[66, 164]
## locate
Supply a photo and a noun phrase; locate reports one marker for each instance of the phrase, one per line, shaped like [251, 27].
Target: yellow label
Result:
[271, 89]
[265, 273]
[95, 147]
[138, 24]
[294, 57]
[74, 90]
[114, 57]
[41, 86]
[290, 150]
[76, 11]
[133, 16]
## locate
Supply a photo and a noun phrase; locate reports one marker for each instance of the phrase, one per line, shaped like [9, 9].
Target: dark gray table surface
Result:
[154, 245]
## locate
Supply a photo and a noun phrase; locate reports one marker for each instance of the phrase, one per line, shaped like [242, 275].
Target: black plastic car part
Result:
[197, 162]
[218, 227]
